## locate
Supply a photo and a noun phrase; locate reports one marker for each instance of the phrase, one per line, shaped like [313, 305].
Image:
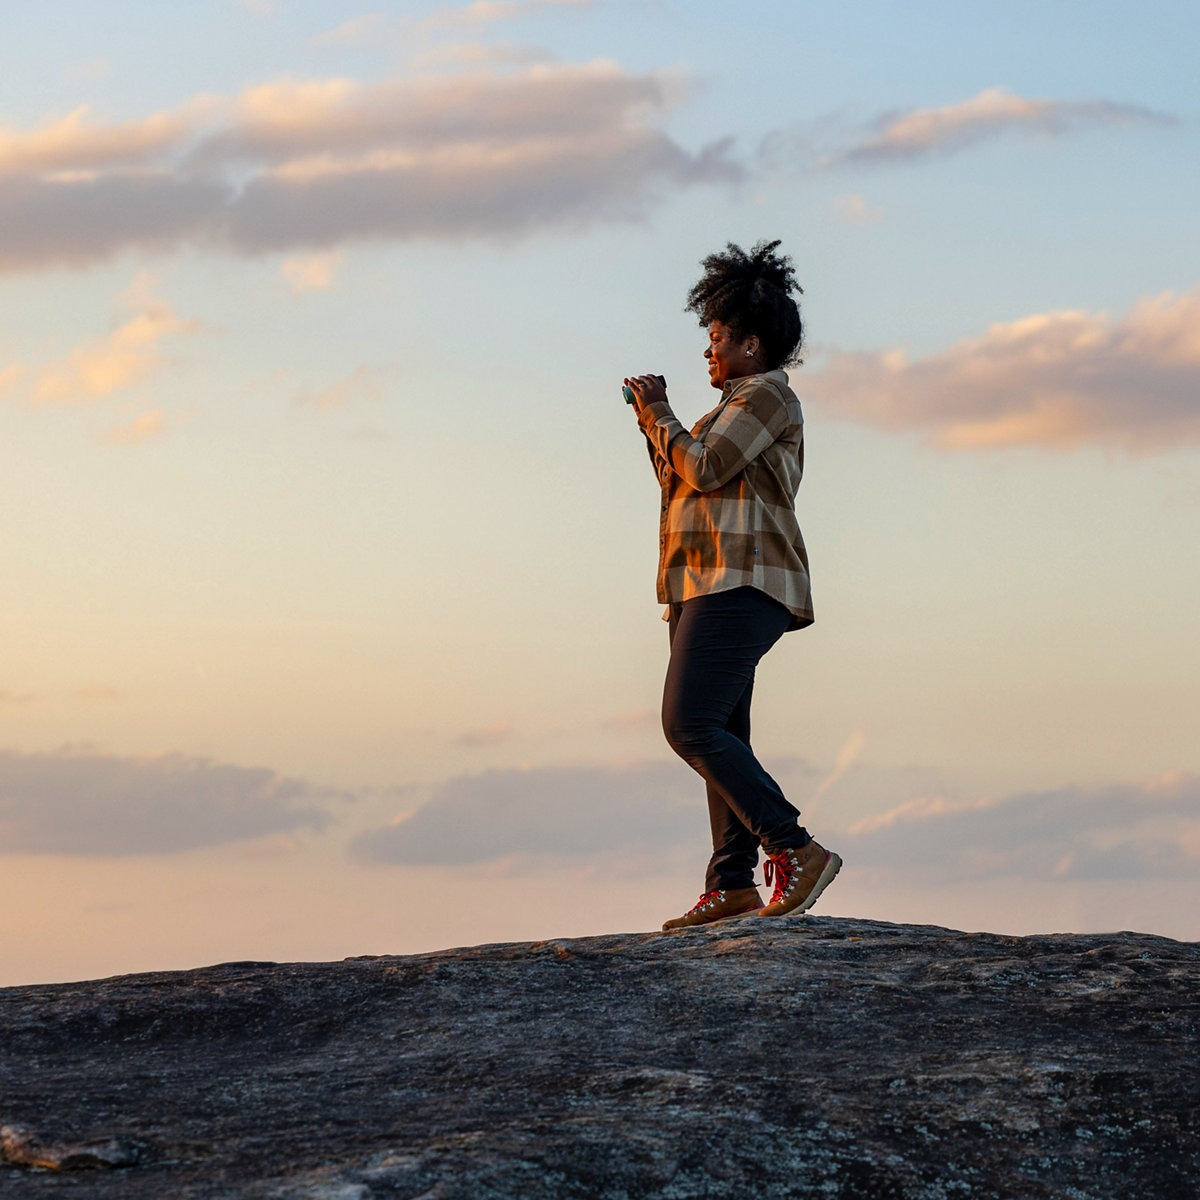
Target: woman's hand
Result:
[646, 389]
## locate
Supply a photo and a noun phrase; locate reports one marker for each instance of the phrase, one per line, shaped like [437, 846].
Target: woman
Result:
[734, 571]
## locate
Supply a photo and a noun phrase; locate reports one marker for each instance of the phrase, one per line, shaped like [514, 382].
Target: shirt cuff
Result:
[651, 414]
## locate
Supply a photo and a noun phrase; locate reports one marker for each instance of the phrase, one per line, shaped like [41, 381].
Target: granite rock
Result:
[822, 1057]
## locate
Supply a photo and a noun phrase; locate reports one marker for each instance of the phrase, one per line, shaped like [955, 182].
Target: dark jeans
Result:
[716, 643]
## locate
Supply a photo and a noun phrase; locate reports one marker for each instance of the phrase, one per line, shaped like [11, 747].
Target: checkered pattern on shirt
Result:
[729, 487]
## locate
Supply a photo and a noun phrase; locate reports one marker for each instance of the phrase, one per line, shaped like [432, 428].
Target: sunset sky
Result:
[329, 623]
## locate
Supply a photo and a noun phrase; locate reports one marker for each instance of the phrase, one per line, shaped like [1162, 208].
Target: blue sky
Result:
[328, 529]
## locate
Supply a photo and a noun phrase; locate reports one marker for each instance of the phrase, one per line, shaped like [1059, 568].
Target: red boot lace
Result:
[780, 868]
[705, 900]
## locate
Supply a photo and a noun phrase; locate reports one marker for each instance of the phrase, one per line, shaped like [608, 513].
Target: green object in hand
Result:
[630, 398]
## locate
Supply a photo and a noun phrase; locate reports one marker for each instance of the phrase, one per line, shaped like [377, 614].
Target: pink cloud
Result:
[75, 144]
[142, 428]
[363, 383]
[311, 164]
[101, 366]
[486, 12]
[921, 132]
[1146, 830]
[1058, 380]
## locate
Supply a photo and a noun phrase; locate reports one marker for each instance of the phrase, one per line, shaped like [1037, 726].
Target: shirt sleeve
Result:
[746, 426]
[655, 457]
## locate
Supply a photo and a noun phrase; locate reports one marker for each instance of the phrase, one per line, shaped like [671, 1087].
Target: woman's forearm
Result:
[746, 427]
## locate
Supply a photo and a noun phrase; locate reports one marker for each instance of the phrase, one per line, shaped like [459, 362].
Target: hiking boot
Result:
[801, 874]
[716, 906]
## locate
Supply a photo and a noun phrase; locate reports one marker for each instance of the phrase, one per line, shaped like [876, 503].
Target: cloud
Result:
[635, 809]
[918, 809]
[142, 428]
[78, 219]
[476, 54]
[362, 383]
[101, 366]
[1148, 830]
[357, 31]
[578, 811]
[487, 12]
[477, 155]
[846, 757]
[99, 805]
[77, 146]
[925, 132]
[487, 735]
[312, 164]
[1058, 380]
[311, 272]
[929, 835]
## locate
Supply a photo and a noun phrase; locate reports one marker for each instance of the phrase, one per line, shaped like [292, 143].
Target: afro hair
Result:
[752, 294]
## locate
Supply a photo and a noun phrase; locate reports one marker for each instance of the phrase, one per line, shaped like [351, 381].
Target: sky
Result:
[328, 609]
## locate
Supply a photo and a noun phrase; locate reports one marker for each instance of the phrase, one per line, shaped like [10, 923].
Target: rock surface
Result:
[790, 1058]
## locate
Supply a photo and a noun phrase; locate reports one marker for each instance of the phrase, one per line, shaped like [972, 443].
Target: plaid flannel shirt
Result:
[729, 487]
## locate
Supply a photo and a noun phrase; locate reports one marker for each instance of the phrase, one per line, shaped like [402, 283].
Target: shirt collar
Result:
[779, 377]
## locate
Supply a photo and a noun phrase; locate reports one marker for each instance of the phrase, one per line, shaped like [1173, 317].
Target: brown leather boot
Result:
[716, 906]
[801, 873]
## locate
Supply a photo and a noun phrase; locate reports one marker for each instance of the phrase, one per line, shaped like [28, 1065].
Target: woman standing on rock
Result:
[734, 571]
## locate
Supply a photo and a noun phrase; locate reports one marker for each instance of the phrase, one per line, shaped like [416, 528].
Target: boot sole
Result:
[832, 867]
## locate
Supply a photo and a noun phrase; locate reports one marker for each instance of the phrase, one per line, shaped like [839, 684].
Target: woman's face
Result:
[728, 357]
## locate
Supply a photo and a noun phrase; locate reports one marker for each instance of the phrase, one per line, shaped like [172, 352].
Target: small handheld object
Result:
[630, 398]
